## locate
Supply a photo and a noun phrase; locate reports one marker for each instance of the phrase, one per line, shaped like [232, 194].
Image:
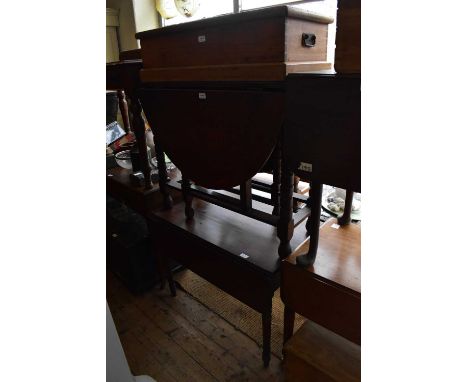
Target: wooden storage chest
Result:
[260, 45]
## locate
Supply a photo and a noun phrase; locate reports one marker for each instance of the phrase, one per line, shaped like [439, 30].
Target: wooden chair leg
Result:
[266, 326]
[288, 331]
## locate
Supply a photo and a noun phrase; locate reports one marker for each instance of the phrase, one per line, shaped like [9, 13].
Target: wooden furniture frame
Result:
[177, 73]
[234, 252]
[161, 110]
[232, 68]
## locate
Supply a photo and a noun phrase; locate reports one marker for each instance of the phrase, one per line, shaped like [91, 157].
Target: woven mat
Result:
[235, 312]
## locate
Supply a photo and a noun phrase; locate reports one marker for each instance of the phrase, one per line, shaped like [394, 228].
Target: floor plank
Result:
[147, 347]
[179, 339]
[225, 335]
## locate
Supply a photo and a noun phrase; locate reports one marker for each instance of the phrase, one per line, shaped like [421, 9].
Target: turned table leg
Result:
[138, 125]
[313, 225]
[275, 187]
[123, 106]
[162, 173]
[285, 227]
[296, 189]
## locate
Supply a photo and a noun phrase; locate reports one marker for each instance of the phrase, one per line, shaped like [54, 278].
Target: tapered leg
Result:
[123, 106]
[286, 224]
[266, 326]
[296, 189]
[161, 267]
[275, 187]
[345, 219]
[138, 125]
[309, 201]
[162, 173]
[170, 279]
[167, 275]
[289, 315]
[188, 198]
[313, 225]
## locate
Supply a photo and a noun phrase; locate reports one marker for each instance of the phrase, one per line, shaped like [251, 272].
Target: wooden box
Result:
[264, 45]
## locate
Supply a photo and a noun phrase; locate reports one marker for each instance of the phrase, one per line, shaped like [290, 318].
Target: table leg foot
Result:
[266, 326]
[289, 316]
[172, 285]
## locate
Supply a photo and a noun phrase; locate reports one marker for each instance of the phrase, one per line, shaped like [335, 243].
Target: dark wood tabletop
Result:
[338, 259]
[233, 233]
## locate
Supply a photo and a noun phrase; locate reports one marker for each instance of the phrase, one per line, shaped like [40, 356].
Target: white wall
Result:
[134, 16]
[145, 15]
[127, 28]
[117, 369]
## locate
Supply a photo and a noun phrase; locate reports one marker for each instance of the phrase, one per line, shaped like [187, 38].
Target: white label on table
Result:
[201, 95]
[201, 38]
[244, 256]
[336, 226]
[307, 167]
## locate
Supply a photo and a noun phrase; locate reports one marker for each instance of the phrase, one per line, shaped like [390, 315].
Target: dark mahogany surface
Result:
[218, 138]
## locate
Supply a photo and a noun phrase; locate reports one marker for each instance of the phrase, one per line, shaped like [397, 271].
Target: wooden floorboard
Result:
[179, 339]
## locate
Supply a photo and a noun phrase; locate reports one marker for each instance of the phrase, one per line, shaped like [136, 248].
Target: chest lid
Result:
[264, 44]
